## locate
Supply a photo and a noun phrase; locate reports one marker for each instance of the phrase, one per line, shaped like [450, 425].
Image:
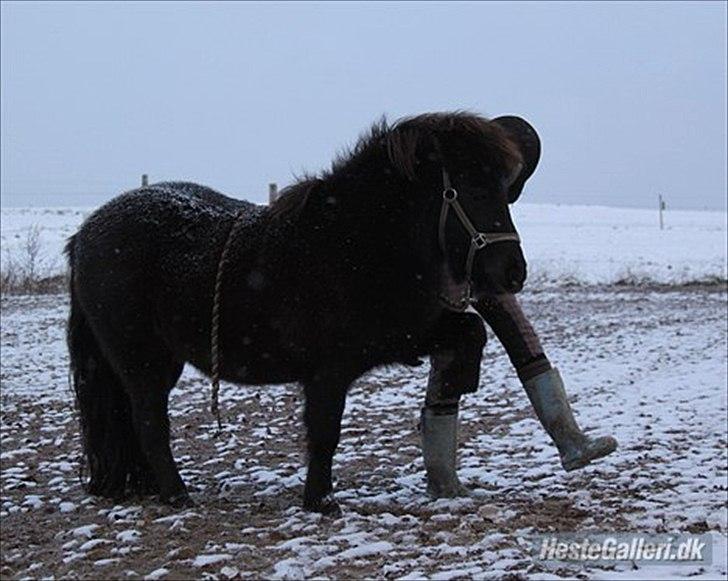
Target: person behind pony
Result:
[454, 372]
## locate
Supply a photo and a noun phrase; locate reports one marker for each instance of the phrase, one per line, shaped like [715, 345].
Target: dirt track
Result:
[649, 365]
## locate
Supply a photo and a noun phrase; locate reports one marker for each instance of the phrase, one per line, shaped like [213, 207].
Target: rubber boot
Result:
[439, 433]
[547, 395]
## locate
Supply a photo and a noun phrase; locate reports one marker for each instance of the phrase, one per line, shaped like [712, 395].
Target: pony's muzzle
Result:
[515, 277]
[500, 273]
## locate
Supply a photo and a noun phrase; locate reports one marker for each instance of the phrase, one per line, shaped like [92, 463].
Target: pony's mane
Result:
[293, 198]
[399, 142]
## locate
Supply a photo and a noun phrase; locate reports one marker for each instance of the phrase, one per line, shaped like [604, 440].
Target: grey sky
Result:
[629, 99]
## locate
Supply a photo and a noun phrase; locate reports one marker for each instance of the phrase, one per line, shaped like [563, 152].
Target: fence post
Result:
[662, 208]
[145, 180]
[272, 193]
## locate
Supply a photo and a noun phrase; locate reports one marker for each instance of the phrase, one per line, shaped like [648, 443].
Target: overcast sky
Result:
[629, 99]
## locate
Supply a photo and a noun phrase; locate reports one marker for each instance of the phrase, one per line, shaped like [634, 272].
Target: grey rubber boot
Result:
[547, 395]
[439, 433]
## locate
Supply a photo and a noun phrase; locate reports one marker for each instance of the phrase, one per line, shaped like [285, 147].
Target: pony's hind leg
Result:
[148, 371]
[115, 463]
[149, 395]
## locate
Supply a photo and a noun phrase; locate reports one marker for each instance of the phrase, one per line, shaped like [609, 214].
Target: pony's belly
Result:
[256, 368]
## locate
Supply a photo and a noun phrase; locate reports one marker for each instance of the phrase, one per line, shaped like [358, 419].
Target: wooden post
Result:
[662, 208]
[272, 193]
[145, 180]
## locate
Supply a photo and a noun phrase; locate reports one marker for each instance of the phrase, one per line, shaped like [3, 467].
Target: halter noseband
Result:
[478, 240]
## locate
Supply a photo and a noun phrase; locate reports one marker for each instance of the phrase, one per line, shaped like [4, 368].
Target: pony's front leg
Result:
[325, 400]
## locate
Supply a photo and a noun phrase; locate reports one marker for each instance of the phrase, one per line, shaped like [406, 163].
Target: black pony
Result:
[343, 273]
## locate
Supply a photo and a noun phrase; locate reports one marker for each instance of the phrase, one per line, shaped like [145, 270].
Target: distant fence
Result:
[30, 269]
[272, 188]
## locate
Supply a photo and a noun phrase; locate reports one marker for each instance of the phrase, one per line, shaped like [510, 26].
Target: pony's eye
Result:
[469, 174]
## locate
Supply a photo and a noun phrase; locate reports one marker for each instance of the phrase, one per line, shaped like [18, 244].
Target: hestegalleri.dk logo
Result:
[631, 547]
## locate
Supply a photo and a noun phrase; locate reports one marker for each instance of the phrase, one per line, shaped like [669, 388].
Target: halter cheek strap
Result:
[478, 240]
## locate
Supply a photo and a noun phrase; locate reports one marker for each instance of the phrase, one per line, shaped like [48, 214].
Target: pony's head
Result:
[469, 169]
[449, 176]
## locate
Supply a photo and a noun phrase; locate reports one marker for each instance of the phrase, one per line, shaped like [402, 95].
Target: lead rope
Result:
[215, 327]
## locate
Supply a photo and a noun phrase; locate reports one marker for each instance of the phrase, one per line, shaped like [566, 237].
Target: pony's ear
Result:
[526, 139]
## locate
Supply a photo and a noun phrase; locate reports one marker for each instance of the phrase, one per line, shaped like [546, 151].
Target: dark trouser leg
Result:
[504, 315]
[454, 370]
[542, 383]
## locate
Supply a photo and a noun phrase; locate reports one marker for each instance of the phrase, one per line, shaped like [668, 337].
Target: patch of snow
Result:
[67, 507]
[157, 574]
[205, 560]
[366, 550]
[106, 562]
[128, 536]
[84, 531]
[93, 543]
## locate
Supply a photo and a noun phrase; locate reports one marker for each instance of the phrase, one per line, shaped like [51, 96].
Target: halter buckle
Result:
[479, 241]
[450, 195]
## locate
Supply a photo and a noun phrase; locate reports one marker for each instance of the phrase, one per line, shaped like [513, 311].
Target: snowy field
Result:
[563, 244]
[600, 245]
[645, 362]
[649, 366]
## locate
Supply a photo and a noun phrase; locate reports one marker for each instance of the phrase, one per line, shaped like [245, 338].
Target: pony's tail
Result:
[115, 464]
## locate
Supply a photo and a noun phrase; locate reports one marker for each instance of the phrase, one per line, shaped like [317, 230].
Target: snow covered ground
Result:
[647, 366]
[563, 244]
[646, 362]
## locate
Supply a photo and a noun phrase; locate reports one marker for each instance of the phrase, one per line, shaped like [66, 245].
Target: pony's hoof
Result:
[327, 506]
[181, 500]
[449, 490]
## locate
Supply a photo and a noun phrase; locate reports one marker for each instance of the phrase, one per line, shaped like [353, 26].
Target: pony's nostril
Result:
[514, 279]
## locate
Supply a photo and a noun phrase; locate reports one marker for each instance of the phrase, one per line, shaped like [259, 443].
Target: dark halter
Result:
[478, 240]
